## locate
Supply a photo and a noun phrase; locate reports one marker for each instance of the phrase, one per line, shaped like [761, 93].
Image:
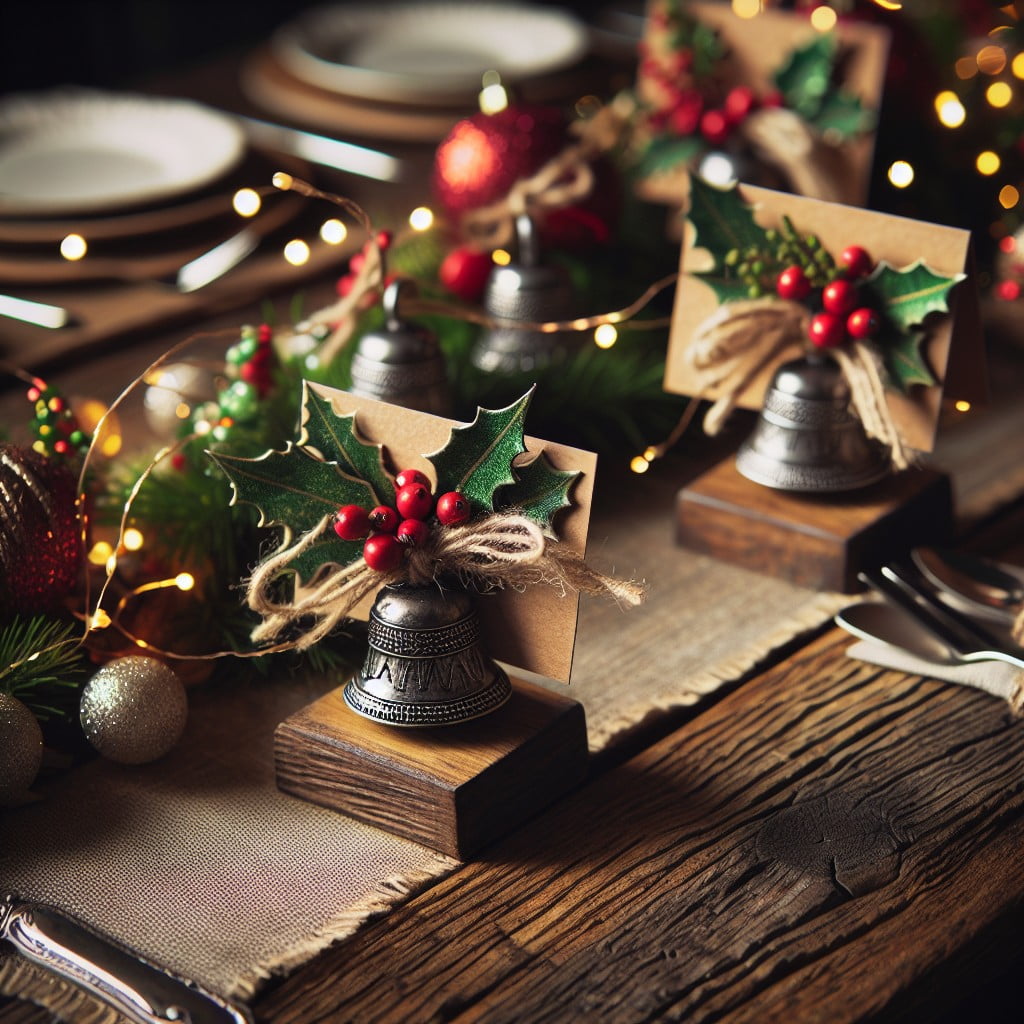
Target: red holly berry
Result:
[856, 261]
[839, 296]
[685, 114]
[453, 508]
[863, 323]
[793, 284]
[414, 501]
[714, 126]
[464, 273]
[382, 552]
[384, 519]
[739, 103]
[826, 330]
[351, 522]
[355, 264]
[414, 532]
[411, 476]
[383, 239]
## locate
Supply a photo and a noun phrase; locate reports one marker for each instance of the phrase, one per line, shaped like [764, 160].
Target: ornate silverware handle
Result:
[133, 986]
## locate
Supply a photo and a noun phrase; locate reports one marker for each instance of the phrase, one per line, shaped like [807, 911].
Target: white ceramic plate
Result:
[426, 53]
[79, 151]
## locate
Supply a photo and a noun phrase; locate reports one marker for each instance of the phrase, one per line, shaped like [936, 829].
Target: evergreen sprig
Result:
[43, 662]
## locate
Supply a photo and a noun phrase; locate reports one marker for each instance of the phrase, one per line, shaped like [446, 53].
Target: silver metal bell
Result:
[426, 664]
[807, 437]
[533, 292]
[402, 363]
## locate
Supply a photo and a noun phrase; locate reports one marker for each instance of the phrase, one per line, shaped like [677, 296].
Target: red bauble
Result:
[414, 532]
[453, 508]
[383, 552]
[839, 297]
[384, 518]
[411, 476]
[483, 156]
[863, 323]
[856, 261]
[352, 522]
[40, 535]
[792, 284]
[464, 273]
[826, 330]
[414, 501]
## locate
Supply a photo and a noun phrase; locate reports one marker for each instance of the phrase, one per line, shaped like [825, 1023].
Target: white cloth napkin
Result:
[994, 677]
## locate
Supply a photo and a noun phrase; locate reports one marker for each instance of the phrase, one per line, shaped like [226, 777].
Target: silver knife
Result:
[39, 314]
[327, 152]
[217, 261]
[133, 986]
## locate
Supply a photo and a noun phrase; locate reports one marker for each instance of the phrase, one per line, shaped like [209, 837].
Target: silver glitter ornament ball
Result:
[21, 749]
[134, 709]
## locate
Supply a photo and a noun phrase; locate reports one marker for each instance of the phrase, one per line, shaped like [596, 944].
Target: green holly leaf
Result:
[477, 460]
[336, 439]
[540, 491]
[708, 50]
[667, 152]
[806, 77]
[293, 489]
[903, 360]
[722, 221]
[842, 114]
[907, 296]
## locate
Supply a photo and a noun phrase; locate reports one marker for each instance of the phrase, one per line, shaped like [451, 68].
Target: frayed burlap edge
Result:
[389, 893]
[24, 980]
[814, 615]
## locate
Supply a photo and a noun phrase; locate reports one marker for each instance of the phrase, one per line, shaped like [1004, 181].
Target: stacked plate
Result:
[146, 182]
[409, 71]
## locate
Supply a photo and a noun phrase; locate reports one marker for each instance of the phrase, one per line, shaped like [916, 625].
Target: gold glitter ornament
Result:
[133, 710]
[21, 749]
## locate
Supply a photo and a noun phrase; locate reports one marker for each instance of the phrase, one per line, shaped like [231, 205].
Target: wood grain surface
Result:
[808, 849]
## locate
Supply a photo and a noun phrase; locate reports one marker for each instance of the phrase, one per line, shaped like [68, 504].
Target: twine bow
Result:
[740, 339]
[498, 551]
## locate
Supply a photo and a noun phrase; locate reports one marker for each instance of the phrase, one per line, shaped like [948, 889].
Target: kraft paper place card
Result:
[919, 282]
[793, 108]
[533, 629]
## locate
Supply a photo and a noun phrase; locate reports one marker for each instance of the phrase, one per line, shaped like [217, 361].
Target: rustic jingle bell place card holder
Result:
[468, 555]
[845, 328]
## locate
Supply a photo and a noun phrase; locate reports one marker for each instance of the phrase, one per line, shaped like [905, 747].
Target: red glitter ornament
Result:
[485, 155]
[40, 538]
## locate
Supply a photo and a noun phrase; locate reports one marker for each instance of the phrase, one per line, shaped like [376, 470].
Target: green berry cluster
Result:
[758, 267]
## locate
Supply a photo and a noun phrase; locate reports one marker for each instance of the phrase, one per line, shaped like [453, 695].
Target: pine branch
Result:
[43, 661]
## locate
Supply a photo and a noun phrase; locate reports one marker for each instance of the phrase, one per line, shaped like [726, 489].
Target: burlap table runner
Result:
[198, 862]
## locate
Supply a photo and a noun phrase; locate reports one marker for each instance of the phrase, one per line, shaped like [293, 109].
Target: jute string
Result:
[735, 344]
[863, 372]
[784, 139]
[503, 550]
[560, 182]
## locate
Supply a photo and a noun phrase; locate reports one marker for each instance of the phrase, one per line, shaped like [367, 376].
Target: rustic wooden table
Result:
[823, 840]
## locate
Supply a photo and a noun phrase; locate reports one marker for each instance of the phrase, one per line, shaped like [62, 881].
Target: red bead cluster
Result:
[355, 265]
[842, 315]
[387, 532]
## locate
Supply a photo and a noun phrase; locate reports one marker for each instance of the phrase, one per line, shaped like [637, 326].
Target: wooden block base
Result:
[452, 788]
[815, 541]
